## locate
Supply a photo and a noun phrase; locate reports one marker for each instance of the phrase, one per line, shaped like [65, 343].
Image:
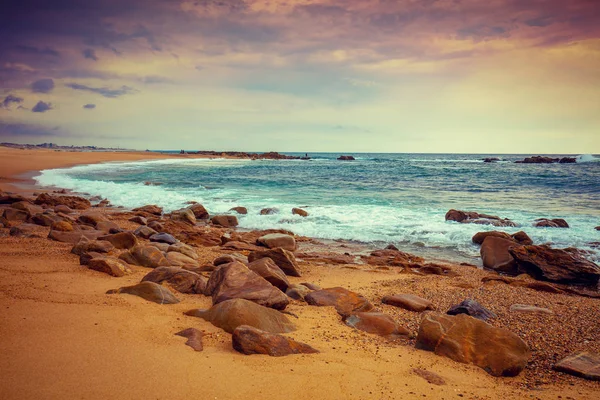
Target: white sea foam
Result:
[584, 158]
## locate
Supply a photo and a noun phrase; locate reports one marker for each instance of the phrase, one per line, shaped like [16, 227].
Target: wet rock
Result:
[266, 268]
[297, 292]
[409, 302]
[522, 238]
[180, 279]
[227, 221]
[194, 338]
[240, 210]
[551, 223]
[85, 245]
[375, 323]
[275, 240]
[538, 160]
[344, 300]
[346, 158]
[555, 265]
[472, 308]
[282, 258]
[390, 257]
[185, 215]
[430, 377]
[138, 219]
[144, 232]
[145, 256]
[249, 340]
[583, 364]
[123, 240]
[199, 211]
[73, 202]
[236, 281]
[495, 254]
[527, 309]
[163, 238]
[471, 217]
[300, 212]
[150, 209]
[229, 258]
[109, 265]
[180, 260]
[149, 291]
[468, 340]
[269, 211]
[230, 314]
[491, 159]
[479, 237]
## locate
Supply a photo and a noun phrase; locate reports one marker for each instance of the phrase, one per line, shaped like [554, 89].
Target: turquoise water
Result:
[379, 198]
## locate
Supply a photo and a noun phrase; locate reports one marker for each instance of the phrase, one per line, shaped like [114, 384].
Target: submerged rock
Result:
[300, 212]
[250, 340]
[472, 217]
[240, 210]
[149, 291]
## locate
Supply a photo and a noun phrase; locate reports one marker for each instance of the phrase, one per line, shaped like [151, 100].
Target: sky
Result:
[442, 76]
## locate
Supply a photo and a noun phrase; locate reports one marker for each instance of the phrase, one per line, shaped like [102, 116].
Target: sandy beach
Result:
[63, 337]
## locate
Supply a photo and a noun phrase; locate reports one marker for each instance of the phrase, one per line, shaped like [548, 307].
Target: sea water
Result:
[376, 199]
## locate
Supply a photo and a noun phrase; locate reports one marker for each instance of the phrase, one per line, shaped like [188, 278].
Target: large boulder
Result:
[185, 215]
[344, 300]
[180, 279]
[495, 254]
[121, 240]
[74, 236]
[468, 340]
[283, 258]
[14, 215]
[177, 259]
[145, 256]
[300, 212]
[199, 211]
[230, 314]
[236, 281]
[227, 221]
[150, 209]
[73, 202]
[375, 323]
[275, 240]
[472, 308]
[479, 237]
[408, 302]
[551, 223]
[240, 210]
[145, 232]
[266, 268]
[555, 265]
[249, 340]
[149, 291]
[472, 217]
[109, 265]
[163, 238]
[583, 364]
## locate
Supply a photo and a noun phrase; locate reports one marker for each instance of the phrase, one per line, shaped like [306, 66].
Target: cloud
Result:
[155, 79]
[89, 106]
[15, 130]
[104, 91]
[45, 85]
[90, 54]
[41, 107]
[9, 100]
[46, 51]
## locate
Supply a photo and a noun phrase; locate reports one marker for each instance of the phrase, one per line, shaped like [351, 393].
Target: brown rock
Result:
[144, 232]
[275, 240]
[227, 221]
[283, 258]
[73, 237]
[73, 202]
[62, 226]
[199, 211]
[163, 238]
[429, 376]
[522, 238]
[85, 245]
[179, 260]
[551, 223]
[229, 258]
[85, 258]
[408, 302]
[24, 230]
[183, 249]
[122, 240]
[300, 212]
[13, 215]
[46, 218]
[240, 210]
[145, 256]
[150, 209]
[9, 198]
[61, 208]
[472, 308]
[479, 237]
[138, 219]
[266, 268]
[297, 292]
[109, 265]
[249, 340]
[468, 340]
[180, 279]
[108, 227]
[194, 338]
[185, 215]
[230, 314]
[583, 364]
[344, 301]
[91, 219]
[156, 225]
[471, 217]
[240, 246]
[236, 281]
[149, 291]
[269, 211]
[495, 254]
[375, 323]
[28, 207]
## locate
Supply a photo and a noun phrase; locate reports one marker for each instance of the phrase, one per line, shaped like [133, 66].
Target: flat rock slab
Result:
[149, 291]
[375, 323]
[194, 338]
[468, 340]
[408, 302]
[230, 314]
[249, 340]
[472, 308]
[524, 308]
[109, 265]
[344, 300]
[583, 364]
[180, 279]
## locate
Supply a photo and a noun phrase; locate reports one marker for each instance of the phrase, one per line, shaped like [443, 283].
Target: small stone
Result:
[249, 340]
[163, 238]
[429, 376]
[472, 308]
[194, 338]
[408, 302]
[524, 308]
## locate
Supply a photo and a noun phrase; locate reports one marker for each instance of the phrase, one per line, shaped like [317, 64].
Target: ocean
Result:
[377, 199]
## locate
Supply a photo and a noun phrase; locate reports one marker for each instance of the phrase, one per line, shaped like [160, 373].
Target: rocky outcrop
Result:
[547, 160]
[274, 240]
[250, 340]
[468, 340]
[236, 281]
[346, 158]
[282, 258]
[73, 202]
[266, 268]
[495, 254]
[227, 221]
[199, 211]
[194, 338]
[149, 291]
[230, 314]
[344, 300]
[390, 257]
[551, 223]
[300, 212]
[472, 308]
[472, 217]
[409, 302]
[182, 280]
[583, 364]
[555, 265]
[491, 159]
[376, 323]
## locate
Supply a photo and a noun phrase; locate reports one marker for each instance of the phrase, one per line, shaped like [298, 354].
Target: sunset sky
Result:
[495, 76]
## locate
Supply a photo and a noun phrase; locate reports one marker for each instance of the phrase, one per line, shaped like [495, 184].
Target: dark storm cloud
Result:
[30, 130]
[104, 91]
[41, 107]
[90, 54]
[89, 106]
[45, 85]
[10, 100]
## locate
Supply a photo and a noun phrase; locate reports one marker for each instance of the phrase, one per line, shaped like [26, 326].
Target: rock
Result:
[14, 215]
[282, 258]
[391, 247]
[23, 230]
[236, 281]
[85, 258]
[551, 223]
[194, 338]
[479, 237]
[375, 323]
[597, 228]
[46, 218]
[150, 209]
[144, 232]
[163, 238]
[199, 211]
[108, 227]
[249, 340]
[181, 260]
[344, 300]
[240, 210]
[491, 159]
[538, 160]
[28, 207]
[471, 217]
[157, 226]
[468, 340]
[311, 286]
[346, 158]
[10, 198]
[138, 219]
[62, 226]
[495, 254]
[180, 279]
[145, 256]
[183, 249]
[163, 247]
[229, 258]
[429, 376]
[300, 212]
[408, 302]
[240, 246]
[274, 240]
[74, 236]
[61, 208]
[583, 364]
[266, 268]
[297, 292]
[472, 308]
[84, 246]
[567, 160]
[269, 211]
[109, 265]
[522, 238]
[555, 265]
[230, 314]
[123, 240]
[227, 221]
[185, 215]
[91, 219]
[73, 202]
[524, 308]
[149, 291]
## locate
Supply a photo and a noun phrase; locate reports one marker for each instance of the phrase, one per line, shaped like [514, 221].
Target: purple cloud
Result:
[104, 91]
[90, 54]
[41, 107]
[89, 106]
[10, 100]
[45, 85]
